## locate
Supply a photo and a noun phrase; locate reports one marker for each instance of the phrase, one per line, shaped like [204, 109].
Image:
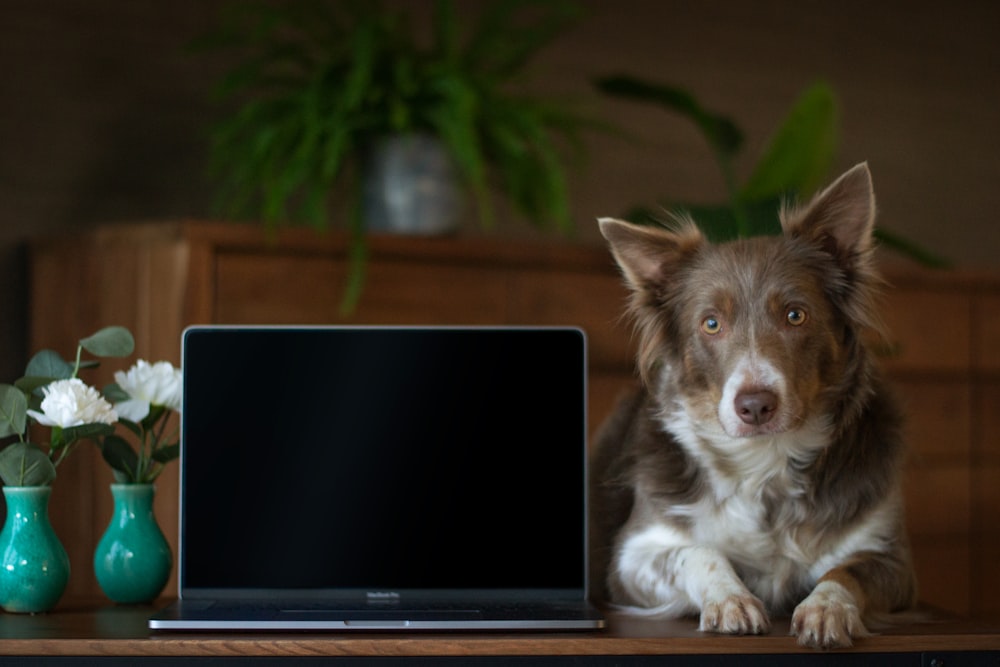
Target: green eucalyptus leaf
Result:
[111, 341]
[56, 440]
[155, 411]
[167, 453]
[31, 384]
[49, 364]
[24, 464]
[799, 156]
[131, 426]
[72, 434]
[114, 393]
[120, 455]
[13, 411]
[35, 400]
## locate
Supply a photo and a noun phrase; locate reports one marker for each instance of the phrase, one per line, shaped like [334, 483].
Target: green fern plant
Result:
[319, 81]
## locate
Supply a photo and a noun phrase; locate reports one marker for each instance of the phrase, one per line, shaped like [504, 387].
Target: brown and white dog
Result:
[756, 471]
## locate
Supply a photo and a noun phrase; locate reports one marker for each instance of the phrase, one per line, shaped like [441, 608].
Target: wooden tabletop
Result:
[88, 628]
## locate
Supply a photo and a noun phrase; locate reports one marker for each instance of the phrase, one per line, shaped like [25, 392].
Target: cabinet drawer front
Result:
[304, 289]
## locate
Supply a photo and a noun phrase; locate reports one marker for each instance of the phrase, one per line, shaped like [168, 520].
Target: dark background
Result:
[103, 112]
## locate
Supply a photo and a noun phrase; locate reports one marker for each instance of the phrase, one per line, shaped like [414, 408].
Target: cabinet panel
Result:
[986, 578]
[938, 419]
[987, 332]
[938, 502]
[986, 435]
[403, 292]
[605, 389]
[929, 329]
[943, 577]
[158, 278]
[592, 301]
[272, 289]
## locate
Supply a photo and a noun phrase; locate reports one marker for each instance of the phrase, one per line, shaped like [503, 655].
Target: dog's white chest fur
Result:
[754, 512]
[753, 504]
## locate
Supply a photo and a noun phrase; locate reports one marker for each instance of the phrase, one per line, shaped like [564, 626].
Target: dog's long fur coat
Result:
[756, 471]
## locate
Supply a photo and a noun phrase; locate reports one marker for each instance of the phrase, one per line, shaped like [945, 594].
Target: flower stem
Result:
[76, 366]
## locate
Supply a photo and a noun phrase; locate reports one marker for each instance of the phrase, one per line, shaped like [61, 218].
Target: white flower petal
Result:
[41, 418]
[133, 409]
[159, 383]
[72, 403]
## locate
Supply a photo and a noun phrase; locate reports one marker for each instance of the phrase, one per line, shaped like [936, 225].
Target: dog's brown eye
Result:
[711, 325]
[796, 317]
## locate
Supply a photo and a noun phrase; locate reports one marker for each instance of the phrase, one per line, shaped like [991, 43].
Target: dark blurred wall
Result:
[103, 112]
[101, 119]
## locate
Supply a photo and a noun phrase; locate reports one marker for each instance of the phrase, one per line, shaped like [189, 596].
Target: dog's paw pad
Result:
[736, 614]
[827, 621]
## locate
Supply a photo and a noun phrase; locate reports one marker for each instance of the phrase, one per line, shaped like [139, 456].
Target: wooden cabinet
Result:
[946, 331]
[158, 278]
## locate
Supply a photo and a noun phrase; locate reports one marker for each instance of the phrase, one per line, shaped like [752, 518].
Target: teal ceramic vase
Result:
[34, 567]
[132, 561]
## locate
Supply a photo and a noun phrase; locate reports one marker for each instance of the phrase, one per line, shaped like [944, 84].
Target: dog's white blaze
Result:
[751, 461]
[751, 371]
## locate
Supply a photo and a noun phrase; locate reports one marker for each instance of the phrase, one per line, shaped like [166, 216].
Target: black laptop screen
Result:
[327, 458]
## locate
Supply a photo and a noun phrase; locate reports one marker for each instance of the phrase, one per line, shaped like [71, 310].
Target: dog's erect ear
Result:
[649, 258]
[647, 255]
[840, 219]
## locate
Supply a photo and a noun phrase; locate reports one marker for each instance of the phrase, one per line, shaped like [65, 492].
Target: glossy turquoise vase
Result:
[132, 561]
[34, 567]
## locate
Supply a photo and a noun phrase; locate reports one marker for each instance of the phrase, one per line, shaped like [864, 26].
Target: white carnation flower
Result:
[156, 384]
[72, 403]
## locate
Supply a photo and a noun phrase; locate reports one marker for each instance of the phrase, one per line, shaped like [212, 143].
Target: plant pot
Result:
[34, 567]
[411, 186]
[132, 561]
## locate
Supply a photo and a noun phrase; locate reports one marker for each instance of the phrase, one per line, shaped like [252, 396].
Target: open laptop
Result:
[339, 478]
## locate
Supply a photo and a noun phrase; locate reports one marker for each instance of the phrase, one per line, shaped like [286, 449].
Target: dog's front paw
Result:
[828, 618]
[735, 614]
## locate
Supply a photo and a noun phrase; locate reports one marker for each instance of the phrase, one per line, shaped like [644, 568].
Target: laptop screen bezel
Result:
[188, 591]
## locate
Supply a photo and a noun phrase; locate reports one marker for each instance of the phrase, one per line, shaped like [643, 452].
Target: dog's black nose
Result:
[756, 407]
